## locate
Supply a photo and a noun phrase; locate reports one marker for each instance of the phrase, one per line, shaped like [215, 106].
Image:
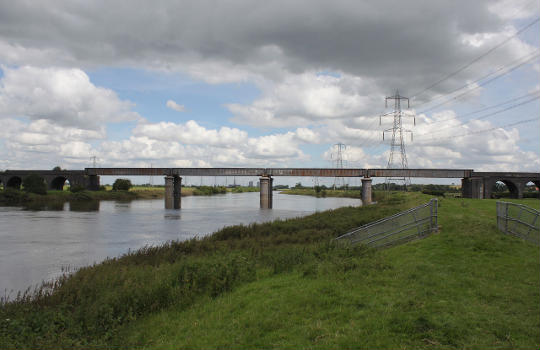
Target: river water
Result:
[38, 245]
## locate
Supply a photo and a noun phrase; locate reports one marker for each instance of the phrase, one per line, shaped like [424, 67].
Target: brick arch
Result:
[58, 182]
[515, 186]
[512, 187]
[14, 182]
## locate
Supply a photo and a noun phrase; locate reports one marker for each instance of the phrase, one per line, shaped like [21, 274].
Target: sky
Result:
[268, 84]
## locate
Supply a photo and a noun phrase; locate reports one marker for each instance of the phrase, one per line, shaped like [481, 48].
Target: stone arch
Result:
[14, 182]
[529, 192]
[510, 185]
[58, 183]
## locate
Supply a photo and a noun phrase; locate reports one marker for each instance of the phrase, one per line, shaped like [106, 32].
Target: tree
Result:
[57, 168]
[34, 184]
[121, 185]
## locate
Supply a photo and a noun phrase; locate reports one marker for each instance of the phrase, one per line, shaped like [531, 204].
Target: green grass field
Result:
[285, 285]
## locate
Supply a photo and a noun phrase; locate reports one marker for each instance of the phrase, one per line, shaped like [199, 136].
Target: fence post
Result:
[433, 213]
[506, 218]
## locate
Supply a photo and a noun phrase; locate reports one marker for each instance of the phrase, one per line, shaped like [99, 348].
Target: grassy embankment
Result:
[284, 285]
[323, 192]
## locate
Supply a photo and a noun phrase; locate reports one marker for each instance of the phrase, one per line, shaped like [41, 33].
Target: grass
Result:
[323, 192]
[285, 285]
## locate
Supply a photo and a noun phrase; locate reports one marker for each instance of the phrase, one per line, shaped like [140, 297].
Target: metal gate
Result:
[519, 220]
[408, 225]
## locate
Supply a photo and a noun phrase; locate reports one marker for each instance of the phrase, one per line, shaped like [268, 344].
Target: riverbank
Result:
[56, 199]
[323, 192]
[284, 284]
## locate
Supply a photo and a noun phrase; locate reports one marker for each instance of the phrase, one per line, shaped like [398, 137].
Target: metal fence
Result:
[411, 224]
[519, 220]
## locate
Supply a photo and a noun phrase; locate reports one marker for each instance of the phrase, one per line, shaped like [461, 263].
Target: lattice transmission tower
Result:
[337, 158]
[398, 156]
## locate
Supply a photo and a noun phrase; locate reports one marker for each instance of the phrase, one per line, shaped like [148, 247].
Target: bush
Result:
[102, 188]
[433, 192]
[121, 185]
[76, 188]
[34, 184]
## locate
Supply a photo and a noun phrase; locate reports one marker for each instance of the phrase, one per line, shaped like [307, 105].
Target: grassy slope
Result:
[467, 286]
[282, 285]
[323, 193]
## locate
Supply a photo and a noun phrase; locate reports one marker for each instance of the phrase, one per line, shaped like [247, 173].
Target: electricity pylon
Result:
[398, 156]
[338, 159]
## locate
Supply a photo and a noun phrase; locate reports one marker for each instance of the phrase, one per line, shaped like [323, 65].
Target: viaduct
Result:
[473, 184]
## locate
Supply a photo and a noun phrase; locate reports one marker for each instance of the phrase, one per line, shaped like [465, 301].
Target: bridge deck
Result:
[296, 172]
[311, 172]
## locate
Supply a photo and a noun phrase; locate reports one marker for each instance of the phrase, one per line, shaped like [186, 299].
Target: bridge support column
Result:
[366, 191]
[93, 183]
[472, 187]
[266, 191]
[173, 188]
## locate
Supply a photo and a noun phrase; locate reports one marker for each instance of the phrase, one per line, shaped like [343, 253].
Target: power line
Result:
[509, 70]
[477, 58]
[489, 107]
[527, 57]
[490, 129]
[482, 117]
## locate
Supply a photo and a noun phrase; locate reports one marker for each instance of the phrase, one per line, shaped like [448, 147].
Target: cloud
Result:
[62, 96]
[309, 98]
[175, 106]
[247, 41]
[322, 69]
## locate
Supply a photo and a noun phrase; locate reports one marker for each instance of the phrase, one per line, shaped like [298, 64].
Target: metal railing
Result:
[415, 223]
[519, 220]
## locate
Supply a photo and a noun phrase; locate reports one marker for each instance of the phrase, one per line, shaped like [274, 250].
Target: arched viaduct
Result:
[474, 184]
[55, 179]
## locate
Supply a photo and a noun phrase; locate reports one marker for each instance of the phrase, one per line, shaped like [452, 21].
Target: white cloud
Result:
[190, 133]
[62, 96]
[175, 106]
[309, 98]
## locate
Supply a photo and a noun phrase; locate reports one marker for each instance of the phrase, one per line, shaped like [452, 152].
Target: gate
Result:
[519, 220]
[408, 225]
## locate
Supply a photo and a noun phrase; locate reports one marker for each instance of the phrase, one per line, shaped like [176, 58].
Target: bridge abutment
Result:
[173, 188]
[366, 191]
[266, 191]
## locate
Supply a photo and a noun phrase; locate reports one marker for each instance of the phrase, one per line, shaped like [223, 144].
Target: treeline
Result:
[209, 190]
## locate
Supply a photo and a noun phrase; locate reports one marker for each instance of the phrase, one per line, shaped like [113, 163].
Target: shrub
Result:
[433, 192]
[34, 184]
[76, 188]
[121, 185]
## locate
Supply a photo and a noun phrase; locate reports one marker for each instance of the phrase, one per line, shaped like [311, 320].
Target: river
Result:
[39, 245]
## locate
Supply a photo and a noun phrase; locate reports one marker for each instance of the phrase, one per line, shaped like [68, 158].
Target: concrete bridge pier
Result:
[266, 191]
[93, 183]
[173, 188]
[472, 187]
[366, 191]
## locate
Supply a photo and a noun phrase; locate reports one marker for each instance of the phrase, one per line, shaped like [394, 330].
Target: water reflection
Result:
[84, 206]
[170, 216]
